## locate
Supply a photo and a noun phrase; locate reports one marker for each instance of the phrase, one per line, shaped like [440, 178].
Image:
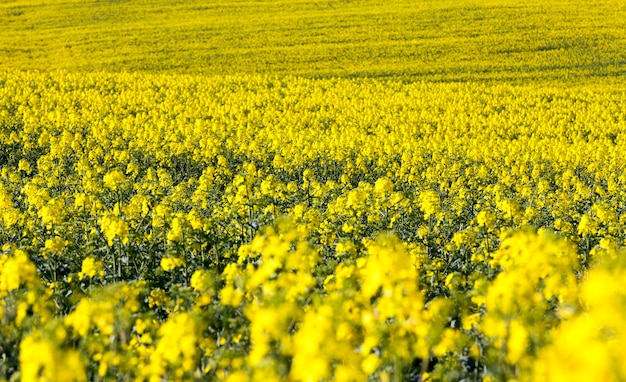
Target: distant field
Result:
[432, 40]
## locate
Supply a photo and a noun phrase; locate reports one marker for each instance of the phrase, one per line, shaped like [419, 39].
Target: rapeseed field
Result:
[309, 191]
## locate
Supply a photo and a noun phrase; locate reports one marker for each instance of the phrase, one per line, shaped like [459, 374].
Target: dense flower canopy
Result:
[260, 227]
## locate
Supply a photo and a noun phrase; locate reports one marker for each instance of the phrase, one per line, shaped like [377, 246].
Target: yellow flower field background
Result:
[305, 191]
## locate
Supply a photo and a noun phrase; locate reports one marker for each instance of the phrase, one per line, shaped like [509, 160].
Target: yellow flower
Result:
[429, 203]
[510, 208]
[470, 321]
[310, 362]
[169, 263]
[113, 180]
[383, 186]
[175, 233]
[55, 244]
[176, 345]
[587, 225]
[231, 296]
[52, 212]
[80, 318]
[90, 313]
[17, 270]
[201, 281]
[347, 227]
[114, 227]
[91, 267]
[517, 341]
[82, 201]
[238, 376]
[25, 166]
[370, 364]
[157, 297]
[486, 218]
[42, 359]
